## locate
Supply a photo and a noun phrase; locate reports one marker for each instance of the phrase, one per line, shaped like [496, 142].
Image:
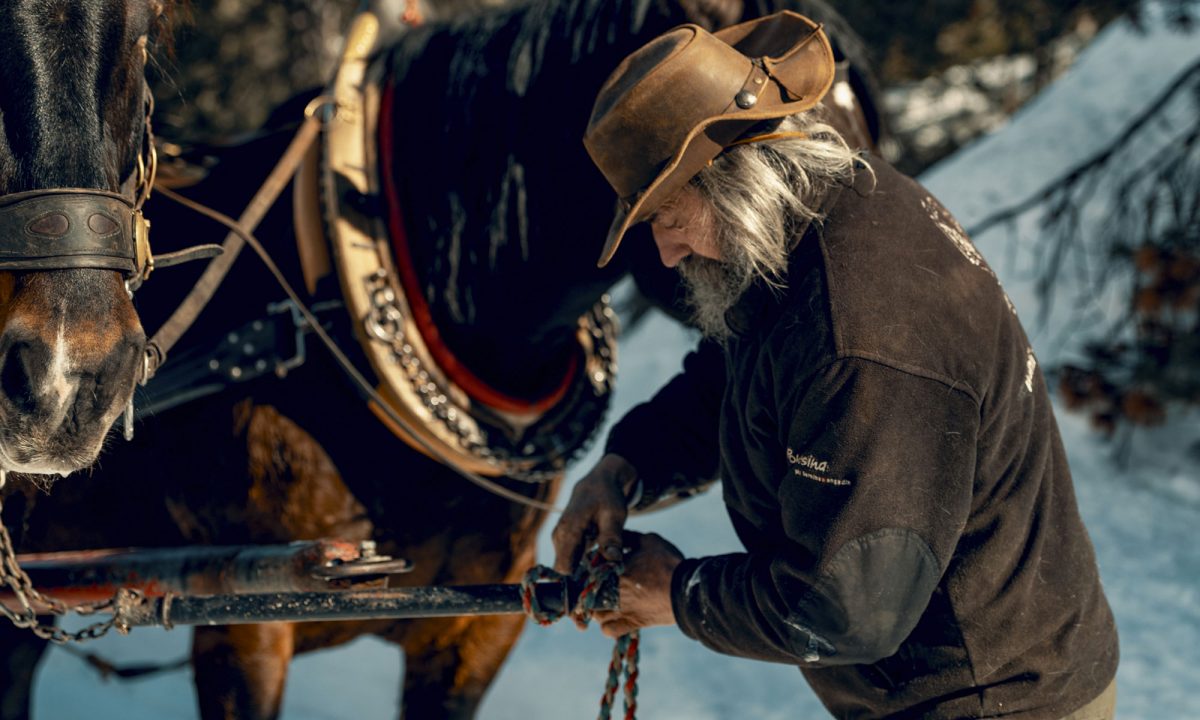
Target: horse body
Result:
[505, 216]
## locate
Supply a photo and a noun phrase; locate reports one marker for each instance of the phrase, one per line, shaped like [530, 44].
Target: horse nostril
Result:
[16, 375]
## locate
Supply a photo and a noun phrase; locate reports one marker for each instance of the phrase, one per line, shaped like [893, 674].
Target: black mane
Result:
[505, 212]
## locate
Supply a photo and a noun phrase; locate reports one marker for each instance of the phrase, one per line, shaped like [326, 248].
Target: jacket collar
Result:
[760, 304]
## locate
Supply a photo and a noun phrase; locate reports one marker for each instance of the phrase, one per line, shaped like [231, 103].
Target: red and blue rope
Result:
[595, 571]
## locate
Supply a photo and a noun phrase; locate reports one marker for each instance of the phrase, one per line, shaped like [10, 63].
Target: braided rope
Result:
[595, 571]
[624, 661]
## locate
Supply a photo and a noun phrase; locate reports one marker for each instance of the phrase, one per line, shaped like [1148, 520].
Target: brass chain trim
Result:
[385, 323]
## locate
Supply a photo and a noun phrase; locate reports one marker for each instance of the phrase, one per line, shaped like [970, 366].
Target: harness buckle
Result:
[143, 258]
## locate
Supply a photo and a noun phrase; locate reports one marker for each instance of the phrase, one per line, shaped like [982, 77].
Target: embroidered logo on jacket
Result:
[1030, 366]
[955, 233]
[812, 468]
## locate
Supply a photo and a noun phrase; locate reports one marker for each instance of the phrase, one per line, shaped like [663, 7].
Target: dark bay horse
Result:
[73, 108]
[73, 159]
[504, 215]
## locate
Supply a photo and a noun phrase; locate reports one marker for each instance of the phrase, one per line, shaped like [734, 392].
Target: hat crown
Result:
[674, 104]
[653, 100]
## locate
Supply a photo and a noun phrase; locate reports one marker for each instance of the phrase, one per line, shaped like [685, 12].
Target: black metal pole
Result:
[380, 604]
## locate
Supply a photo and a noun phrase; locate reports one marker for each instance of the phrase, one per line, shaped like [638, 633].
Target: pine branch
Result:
[1073, 176]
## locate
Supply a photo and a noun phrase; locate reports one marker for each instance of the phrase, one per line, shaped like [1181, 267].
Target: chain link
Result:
[529, 462]
[33, 602]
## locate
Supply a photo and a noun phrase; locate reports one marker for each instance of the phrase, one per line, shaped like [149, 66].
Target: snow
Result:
[1141, 510]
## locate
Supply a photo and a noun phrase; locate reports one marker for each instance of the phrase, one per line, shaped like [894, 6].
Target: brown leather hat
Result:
[676, 103]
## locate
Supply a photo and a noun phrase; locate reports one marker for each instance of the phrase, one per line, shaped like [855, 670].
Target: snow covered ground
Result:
[1142, 514]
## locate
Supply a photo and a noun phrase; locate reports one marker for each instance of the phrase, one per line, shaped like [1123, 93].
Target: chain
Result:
[147, 162]
[385, 323]
[32, 602]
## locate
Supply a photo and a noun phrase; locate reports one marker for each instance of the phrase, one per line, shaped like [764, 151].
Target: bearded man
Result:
[886, 445]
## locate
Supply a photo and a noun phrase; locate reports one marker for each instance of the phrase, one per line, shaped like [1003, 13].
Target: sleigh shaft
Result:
[299, 582]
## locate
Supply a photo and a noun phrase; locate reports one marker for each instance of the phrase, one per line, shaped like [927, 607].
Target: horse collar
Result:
[469, 428]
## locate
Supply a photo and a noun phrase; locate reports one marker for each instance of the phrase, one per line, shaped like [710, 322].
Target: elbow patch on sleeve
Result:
[867, 600]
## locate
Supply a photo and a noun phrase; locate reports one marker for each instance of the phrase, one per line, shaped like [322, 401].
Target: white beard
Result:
[713, 287]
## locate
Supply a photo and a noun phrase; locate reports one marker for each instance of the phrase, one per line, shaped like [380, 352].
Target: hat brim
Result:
[711, 136]
[698, 149]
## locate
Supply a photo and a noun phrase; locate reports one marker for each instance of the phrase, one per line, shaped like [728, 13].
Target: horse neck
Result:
[504, 213]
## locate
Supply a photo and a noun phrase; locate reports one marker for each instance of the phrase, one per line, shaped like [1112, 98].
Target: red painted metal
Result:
[90, 576]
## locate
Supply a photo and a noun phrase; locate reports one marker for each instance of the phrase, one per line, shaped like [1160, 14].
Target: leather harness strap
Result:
[200, 295]
[68, 228]
[309, 223]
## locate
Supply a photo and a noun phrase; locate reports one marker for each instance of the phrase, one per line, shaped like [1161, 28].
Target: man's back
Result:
[909, 413]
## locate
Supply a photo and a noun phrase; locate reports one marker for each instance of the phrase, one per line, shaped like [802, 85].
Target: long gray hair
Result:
[757, 195]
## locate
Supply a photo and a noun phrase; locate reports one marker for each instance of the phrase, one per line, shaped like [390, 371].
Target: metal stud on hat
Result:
[745, 99]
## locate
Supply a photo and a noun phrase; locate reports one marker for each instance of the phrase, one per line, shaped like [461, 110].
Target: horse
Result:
[75, 165]
[73, 102]
[502, 216]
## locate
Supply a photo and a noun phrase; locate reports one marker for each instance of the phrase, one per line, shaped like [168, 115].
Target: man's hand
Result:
[595, 513]
[645, 586]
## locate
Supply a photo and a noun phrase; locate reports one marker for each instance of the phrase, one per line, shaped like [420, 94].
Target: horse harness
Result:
[334, 166]
[478, 429]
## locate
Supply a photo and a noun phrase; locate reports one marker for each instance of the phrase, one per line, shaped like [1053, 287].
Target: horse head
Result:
[74, 147]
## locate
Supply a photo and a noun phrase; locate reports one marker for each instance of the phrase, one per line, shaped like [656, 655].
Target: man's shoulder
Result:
[898, 282]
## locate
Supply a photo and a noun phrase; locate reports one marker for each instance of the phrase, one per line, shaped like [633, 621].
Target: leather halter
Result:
[86, 228]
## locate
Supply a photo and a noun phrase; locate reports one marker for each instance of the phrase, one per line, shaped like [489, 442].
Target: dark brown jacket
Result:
[891, 463]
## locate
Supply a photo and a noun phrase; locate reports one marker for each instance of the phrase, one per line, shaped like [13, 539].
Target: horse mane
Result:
[174, 14]
[491, 112]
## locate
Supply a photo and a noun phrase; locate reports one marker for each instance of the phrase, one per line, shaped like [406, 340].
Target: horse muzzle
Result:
[63, 384]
